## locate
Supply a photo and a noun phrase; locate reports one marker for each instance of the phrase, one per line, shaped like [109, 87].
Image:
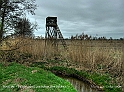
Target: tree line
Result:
[89, 37]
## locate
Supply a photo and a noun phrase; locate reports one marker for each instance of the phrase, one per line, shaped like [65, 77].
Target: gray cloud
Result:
[102, 17]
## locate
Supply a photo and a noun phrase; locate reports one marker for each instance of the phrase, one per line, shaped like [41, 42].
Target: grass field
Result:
[19, 78]
[105, 56]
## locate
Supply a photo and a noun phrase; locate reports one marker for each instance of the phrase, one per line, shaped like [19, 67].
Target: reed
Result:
[90, 54]
[94, 57]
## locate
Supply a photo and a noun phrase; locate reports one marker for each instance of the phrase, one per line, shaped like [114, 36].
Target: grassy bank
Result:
[15, 77]
[95, 80]
[98, 81]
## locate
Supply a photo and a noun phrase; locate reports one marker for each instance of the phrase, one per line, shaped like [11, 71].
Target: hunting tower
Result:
[53, 33]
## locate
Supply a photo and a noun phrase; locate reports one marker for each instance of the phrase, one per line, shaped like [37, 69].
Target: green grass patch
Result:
[104, 80]
[69, 71]
[16, 77]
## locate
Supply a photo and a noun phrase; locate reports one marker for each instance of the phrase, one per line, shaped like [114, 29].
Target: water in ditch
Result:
[79, 85]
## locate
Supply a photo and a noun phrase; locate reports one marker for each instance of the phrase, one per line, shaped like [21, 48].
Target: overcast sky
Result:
[101, 17]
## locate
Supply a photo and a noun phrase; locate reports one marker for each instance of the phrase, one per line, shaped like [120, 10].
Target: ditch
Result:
[79, 85]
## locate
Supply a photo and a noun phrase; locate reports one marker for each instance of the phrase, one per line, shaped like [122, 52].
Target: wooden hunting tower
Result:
[53, 33]
[51, 22]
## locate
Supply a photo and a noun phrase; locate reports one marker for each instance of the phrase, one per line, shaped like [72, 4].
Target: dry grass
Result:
[36, 47]
[102, 58]
[98, 56]
[91, 54]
